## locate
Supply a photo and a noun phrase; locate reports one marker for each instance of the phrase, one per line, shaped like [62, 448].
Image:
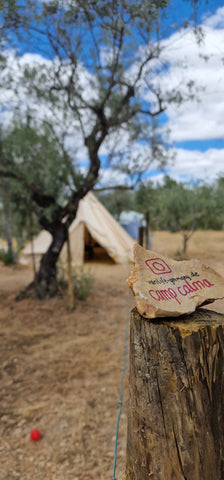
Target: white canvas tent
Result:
[94, 235]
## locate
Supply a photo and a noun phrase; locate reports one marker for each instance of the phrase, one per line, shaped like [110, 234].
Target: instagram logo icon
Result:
[158, 266]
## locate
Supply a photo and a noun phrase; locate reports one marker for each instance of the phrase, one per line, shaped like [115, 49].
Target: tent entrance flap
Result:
[94, 251]
[94, 236]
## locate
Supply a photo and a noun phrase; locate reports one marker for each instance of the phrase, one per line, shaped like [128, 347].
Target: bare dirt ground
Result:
[61, 371]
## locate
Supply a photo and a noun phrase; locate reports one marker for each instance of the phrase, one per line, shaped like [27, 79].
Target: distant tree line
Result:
[173, 206]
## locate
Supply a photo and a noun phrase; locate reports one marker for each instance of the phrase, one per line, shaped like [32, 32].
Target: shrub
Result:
[82, 282]
[8, 258]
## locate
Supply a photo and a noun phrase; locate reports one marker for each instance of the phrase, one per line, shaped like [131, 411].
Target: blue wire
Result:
[121, 388]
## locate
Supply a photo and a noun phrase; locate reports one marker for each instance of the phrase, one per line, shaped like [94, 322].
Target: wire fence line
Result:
[121, 385]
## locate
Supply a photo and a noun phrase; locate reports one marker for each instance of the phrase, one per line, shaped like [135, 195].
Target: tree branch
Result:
[9, 174]
[115, 187]
[149, 57]
[153, 114]
[82, 5]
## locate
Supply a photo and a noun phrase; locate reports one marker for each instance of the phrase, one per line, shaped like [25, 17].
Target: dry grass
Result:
[61, 371]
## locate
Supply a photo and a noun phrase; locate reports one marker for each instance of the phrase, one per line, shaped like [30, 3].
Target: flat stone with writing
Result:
[165, 287]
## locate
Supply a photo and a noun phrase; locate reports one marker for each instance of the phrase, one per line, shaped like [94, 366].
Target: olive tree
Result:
[89, 75]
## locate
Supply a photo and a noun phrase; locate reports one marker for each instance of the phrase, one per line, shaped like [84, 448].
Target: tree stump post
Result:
[176, 406]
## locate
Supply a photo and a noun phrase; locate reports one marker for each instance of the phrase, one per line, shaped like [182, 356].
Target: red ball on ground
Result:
[35, 434]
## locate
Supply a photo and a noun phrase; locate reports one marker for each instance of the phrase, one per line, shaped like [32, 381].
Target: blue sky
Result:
[197, 126]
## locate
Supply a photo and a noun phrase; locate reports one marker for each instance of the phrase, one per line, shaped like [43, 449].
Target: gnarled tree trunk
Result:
[46, 277]
[45, 281]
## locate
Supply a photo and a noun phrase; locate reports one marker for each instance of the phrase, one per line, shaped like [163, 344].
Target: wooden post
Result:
[69, 276]
[141, 235]
[148, 236]
[176, 409]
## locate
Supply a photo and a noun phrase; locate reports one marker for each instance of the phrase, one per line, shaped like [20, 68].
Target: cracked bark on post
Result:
[176, 406]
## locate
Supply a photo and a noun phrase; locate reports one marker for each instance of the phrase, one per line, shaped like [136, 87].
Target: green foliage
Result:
[18, 207]
[33, 156]
[82, 282]
[178, 207]
[7, 258]
[173, 206]
[146, 198]
[40, 177]
[117, 201]
[219, 202]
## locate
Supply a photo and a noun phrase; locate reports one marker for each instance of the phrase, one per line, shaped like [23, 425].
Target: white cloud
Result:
[198, 119]
[21, 98]
[196, 165]
[216, 20]
[109, 177]
[203, 117]
[191, 166]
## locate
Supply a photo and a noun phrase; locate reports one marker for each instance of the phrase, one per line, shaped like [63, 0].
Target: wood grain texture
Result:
[176, 407]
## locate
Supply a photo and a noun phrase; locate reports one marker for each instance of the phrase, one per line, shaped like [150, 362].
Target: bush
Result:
[7, 258]
[82, 282]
